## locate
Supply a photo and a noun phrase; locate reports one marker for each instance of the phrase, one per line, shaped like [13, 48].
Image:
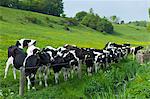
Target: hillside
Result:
[47, 30]
[19, 27]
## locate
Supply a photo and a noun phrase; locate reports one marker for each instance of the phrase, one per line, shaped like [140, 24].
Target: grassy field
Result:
[47, 30]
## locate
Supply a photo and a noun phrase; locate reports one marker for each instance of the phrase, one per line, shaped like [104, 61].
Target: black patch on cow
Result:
[19, 57]
[18, 44]
[25, 43]
[58, 63]
[137, 49]
[35, 51]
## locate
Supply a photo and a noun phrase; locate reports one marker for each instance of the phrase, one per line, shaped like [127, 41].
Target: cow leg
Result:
[8, 63]
[89, 70]
[14, 72]
[32, 80]
[29, 82]
[46, 75]
[56, 77]
[72, 72]
[65, 74]
[40, 76]
[96, 67]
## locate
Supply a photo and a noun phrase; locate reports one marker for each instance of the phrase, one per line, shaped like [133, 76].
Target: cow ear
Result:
[17, 44]
[34, 43]
[25, 42]
[35, 51]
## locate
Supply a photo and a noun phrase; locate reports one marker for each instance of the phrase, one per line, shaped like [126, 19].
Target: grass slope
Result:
[13, 26]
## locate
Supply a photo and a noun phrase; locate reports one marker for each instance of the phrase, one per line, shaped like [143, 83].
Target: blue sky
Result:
[128, 10]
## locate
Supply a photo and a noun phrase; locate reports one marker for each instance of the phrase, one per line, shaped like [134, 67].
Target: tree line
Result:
[51, 7]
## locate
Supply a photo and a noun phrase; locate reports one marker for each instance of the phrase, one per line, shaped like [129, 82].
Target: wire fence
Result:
[23, 68]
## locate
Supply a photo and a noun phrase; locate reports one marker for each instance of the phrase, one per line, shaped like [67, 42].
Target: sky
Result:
[127, 10]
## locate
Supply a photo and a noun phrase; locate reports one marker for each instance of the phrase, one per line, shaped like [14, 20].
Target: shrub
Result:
[2, 18]
[97, 23]
[139, 23]
[148, 26]
[33, 20]
[71, 22]
[66, 28]
[80, 15]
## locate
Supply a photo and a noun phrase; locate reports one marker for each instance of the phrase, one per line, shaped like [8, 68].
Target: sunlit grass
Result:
[13, 29]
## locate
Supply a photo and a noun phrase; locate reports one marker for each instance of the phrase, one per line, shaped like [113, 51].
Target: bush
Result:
[69, 22]
[2, 18]
[66, 28]
[97, 23]
[80, 15]
[33, 20]
[148, 26]
[139, 23]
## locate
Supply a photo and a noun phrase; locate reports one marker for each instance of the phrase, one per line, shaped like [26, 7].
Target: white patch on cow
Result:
[132, 51]
[50, 54]
[21, 42]
[29, 82]
[74, 54]
[65, 54]
[103, 56]
[8, 63]
[61, 48]
[105, 51]
[59, 53]
[30, 49]
[14, 72]
[56, 77]
[50, 47]
[96, 67]
[31, 43]
[33, 88]
[97, 55]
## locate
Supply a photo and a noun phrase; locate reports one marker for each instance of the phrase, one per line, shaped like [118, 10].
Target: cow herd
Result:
[67, 59]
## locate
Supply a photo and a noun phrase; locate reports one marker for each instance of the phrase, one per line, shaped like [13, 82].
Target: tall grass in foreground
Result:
[123, 80]
[118, 81]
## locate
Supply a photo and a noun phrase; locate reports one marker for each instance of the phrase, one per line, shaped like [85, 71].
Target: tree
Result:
[95, 22]
[91, 11]
[148, 24]
[149, 12]
[80, 15]
[114, 19]
[52, 7]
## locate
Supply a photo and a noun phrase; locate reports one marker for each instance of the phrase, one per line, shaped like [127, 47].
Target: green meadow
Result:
[48, 30]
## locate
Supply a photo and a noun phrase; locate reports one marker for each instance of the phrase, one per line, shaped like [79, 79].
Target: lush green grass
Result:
[14, 25]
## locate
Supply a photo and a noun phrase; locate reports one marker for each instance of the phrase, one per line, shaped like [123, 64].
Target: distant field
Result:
[13, 26]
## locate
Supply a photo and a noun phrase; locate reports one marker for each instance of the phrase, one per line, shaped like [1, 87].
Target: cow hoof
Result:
[46, 85]
[33, 88]
[40, 83]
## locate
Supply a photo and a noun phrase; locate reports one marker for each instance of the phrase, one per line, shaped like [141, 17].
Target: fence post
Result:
[22, 81]
[79, 72]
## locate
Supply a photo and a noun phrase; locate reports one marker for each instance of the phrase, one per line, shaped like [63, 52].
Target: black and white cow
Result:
[20, 44]
[34, 61]
[67, 61]
[31, 64]
[19, 60]
[47, 57]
